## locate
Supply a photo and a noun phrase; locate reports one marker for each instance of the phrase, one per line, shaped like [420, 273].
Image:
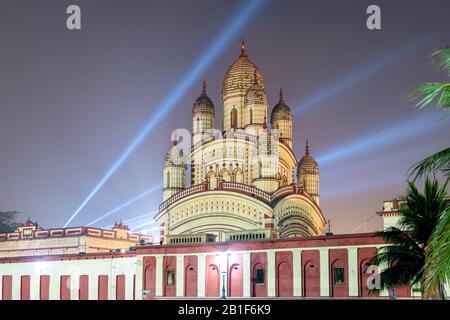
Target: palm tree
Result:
[426, 94]
[437, 260]
[405, 252]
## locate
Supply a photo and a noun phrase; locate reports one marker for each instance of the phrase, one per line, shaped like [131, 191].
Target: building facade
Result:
[248, 223]
[242, 181]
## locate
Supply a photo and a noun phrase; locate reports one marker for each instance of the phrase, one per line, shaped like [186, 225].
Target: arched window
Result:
[234, 118]
[168, 179]
[251, 115]
[260, 169]
[197, 124]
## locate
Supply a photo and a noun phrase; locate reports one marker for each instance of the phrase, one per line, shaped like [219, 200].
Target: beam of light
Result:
[144, 225]
[237, 22]
[351, 187]
[146, 231]
[127, 203]
[384, 137]
[352, 79]
[361, 166]
[148, 215]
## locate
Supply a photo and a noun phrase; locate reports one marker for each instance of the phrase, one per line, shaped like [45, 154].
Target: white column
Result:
[201, 274]
[74, 286]
[297, 272]
[93, 286]
[16, 287]
[247, 274]
[383, 292]
[139, 279]
[159, 279]
[129, 286]
[352, 272]
[34, 286]
[180, 276]
[271, 273]
[53, 293]
[324, 273]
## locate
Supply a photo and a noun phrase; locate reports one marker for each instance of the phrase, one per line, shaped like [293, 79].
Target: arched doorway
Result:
[212, 281]
[235, 281]
[234, 118]
[190, 282]
[311, 279]
[212, 180]
[284, 280]
[149, 282]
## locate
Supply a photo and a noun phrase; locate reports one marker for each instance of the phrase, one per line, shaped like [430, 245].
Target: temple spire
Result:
[307, 148]
[255, 77]
[243, 53]
[204, 88]
[281, 95]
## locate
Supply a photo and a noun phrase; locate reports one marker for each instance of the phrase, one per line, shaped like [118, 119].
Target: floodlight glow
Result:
[237, 22]
[148, 215]
[127, 203]
[385, 137]
[350, 80]
[146, 231]
[144, 225]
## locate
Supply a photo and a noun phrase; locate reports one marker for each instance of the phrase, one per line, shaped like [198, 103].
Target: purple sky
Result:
[71, 101]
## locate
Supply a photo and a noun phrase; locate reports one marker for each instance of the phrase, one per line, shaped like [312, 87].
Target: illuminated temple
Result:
[243, 183]
[245, 223]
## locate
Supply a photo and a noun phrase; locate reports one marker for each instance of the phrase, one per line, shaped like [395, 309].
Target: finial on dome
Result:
[307, 148]
[204, 88]
[281, 95]
[243, 53]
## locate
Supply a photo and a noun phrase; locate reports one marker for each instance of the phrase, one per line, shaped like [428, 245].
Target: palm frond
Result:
[434, 164]
[437, 265]
[428, 92]
[442, 58]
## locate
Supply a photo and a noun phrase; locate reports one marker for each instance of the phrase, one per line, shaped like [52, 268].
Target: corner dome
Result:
[281, 111]
[239, 77]
[203, 104]
[174, 156]
[307, 162]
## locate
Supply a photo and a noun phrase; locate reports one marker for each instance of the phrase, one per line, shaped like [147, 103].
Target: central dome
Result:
[239, 77]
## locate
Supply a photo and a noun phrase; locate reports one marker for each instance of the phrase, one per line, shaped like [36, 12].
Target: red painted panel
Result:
[170, 266]
[311, 273]
[338, 258]
[258, 261]
[284, 274]
[212, 276]
[64, 288]
[103, 287]
[235, 275]
[6, 287]
[364, 255]
[84, 287]
[149, 276]
[44, 287]
[120, 287]
[25, 288]
[190, 276]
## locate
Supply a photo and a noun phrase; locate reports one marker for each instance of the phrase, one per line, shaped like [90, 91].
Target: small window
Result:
[338, 275]
[170, 278]
[259, 276]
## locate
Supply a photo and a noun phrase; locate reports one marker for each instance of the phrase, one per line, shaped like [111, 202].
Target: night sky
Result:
[72, 101]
